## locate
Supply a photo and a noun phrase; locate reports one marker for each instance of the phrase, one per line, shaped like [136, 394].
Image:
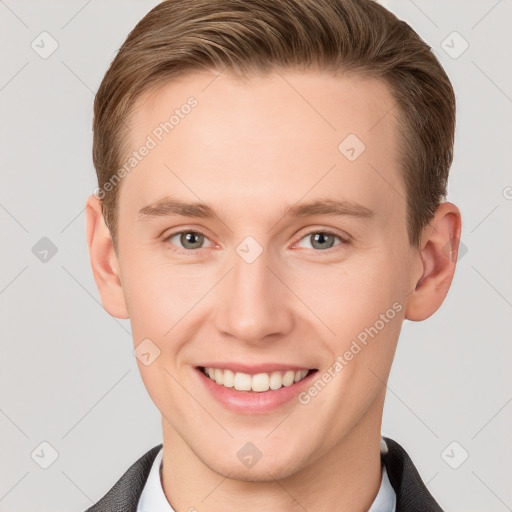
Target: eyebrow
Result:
[170, 206]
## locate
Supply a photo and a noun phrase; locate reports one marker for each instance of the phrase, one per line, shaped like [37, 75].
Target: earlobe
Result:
[104, 263]
[437, 262]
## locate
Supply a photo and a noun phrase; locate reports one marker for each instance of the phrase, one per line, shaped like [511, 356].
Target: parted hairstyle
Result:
[249, 37]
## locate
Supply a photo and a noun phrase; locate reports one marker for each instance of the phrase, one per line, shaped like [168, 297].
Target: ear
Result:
[437, 259]
[104, 263]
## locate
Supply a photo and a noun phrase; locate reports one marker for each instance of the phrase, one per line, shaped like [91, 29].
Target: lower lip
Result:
[252, 402]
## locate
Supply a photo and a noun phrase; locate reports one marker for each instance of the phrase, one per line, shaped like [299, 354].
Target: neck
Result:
[346, 477]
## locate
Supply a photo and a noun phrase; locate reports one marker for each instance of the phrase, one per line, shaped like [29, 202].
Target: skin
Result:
[250, 148]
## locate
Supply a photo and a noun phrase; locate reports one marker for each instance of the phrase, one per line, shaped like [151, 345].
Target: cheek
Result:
[159, 294]
[166, 308]
[349, 296]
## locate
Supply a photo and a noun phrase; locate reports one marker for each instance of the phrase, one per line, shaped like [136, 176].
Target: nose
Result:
[253, 303]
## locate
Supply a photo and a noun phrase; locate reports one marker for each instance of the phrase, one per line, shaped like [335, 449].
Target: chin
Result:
[261, 471]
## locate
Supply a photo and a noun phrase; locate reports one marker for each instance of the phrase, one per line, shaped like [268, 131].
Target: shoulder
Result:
[125, 493]
[412, 494]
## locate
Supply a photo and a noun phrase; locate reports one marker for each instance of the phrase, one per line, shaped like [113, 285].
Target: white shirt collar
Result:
[153, 498]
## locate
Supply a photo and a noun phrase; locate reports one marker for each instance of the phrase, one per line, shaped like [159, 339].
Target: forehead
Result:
[264, 140]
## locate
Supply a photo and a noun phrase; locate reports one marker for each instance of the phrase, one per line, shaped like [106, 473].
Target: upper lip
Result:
[253, 369]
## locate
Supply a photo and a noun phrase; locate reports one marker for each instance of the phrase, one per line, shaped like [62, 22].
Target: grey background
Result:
[68, 376]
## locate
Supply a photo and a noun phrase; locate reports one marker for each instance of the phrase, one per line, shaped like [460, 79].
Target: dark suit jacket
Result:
[411, 493]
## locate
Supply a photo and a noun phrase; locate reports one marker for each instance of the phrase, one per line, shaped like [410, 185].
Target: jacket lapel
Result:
[125, 494]
[411, 493]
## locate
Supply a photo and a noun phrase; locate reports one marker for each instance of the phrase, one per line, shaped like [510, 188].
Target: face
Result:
[252, 280]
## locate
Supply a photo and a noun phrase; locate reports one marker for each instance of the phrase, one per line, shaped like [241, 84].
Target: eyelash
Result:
[190, 252]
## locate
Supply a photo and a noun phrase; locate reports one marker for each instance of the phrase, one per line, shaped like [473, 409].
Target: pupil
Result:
[321, 238]
[188, 238]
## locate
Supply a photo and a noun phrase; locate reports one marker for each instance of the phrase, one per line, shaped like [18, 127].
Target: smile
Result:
[259, 383]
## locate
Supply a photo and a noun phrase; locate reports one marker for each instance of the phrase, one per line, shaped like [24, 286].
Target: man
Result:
[271, 207]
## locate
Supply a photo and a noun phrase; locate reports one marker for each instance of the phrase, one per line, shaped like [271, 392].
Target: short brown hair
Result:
[247, 36]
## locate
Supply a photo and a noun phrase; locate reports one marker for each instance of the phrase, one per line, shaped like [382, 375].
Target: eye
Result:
[323, 240]
[187, 240]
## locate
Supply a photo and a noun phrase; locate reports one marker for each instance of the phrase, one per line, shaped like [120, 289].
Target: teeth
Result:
[242, 382]
[276, 381]
[228, 379]
[260, 382]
